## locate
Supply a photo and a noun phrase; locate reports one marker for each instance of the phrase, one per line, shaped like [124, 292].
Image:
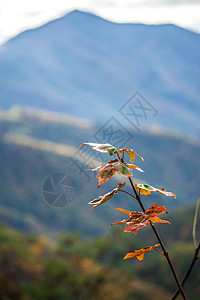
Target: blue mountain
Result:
[89, 67]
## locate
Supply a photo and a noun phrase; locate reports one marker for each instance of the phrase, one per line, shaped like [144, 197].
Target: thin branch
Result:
[118, 156]
[159, 251]
[162, 245]
[127, 193]
[195, 258]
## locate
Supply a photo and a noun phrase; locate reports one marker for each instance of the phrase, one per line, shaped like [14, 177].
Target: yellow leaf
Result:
[130, 153]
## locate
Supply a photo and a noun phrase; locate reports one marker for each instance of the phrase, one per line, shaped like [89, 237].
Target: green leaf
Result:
[145, 189]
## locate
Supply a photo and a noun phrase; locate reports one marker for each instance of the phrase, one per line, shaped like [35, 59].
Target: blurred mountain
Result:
[89, 67]
[35, 144]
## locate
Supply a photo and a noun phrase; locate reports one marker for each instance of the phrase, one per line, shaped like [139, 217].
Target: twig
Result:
[158, 251]
[127, 193]
[195, 258]
[162, 244]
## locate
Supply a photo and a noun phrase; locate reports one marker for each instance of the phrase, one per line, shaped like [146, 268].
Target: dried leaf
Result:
[130, 153]
[135, 167]
[140, 253]
[146, 189]
[135, 225]
[155, 210]
[162, 191]
[105, 148]
[102, 199]
[139, 219]
[109, 169]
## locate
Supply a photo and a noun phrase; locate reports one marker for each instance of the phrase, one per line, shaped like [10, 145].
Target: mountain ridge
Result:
[90, 14]
[86, 66]
[31, 149]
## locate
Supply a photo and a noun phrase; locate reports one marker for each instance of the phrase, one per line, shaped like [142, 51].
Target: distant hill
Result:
[89, 67]
[35, 144]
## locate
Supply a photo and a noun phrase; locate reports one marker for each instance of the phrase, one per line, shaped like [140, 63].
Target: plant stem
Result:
[159, 251]
[127, 193]
[162, 245]
[195, 258]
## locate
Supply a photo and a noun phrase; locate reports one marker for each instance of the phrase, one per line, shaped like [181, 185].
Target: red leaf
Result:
[139, 219]
[154, 210]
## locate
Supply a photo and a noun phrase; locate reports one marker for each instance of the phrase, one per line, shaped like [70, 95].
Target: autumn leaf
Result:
[139, 219]
[140, 253]
[158, 220]
[136, 224]
[132, 215]
[130, 153]
[156, 210]
[135, 167]
[106, 148]
[102, 199]
[109, 169]
[145, 189]
[127, 212]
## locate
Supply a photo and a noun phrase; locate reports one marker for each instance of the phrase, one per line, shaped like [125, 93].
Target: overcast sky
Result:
[19, 15]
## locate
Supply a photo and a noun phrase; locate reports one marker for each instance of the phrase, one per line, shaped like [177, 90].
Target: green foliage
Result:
[73, 267]
[34, 268]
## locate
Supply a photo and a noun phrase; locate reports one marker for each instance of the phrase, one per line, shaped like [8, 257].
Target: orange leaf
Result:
[140, 253]
[158, 220]
[127, 212]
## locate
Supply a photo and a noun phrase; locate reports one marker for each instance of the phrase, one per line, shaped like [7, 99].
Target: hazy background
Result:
[99, 71]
